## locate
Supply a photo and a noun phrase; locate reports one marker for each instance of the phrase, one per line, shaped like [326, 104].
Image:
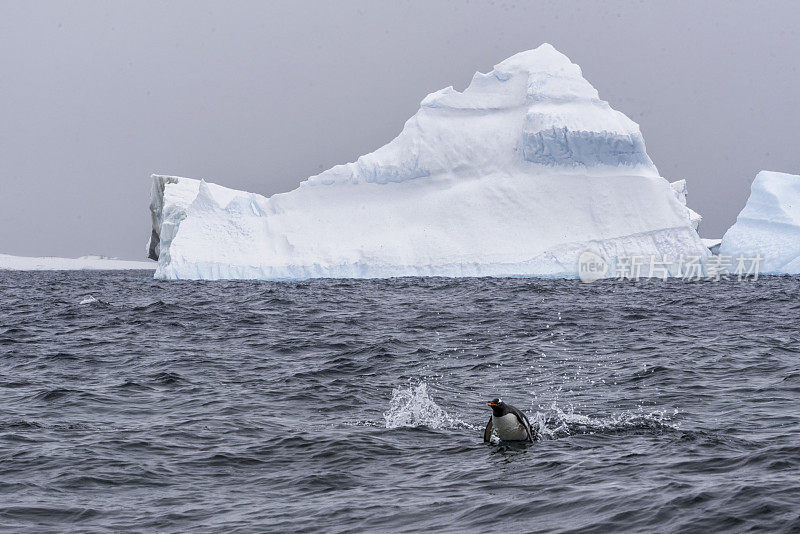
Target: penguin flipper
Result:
[487, 434]
[528, 426]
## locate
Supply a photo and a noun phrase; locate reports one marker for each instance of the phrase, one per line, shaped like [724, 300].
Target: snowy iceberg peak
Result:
[550, 75]
[539, 75]
[534, 111]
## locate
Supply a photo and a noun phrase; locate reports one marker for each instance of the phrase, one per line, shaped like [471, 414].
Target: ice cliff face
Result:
[682, 193]
[517, 175]
[769, 224]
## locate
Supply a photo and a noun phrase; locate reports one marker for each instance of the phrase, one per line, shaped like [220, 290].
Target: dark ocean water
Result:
[340, 406]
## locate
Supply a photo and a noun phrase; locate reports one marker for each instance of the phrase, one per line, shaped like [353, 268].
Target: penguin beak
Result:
[490, 403]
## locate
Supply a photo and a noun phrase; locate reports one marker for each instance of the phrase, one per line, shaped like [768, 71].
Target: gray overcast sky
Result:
[95, 96]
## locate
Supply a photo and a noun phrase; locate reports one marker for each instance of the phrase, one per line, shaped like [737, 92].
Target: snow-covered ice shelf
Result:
[24, 263]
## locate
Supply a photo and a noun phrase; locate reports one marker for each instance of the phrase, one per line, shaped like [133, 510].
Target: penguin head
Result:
[498, 406]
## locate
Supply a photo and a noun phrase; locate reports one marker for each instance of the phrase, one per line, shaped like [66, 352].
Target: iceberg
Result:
[517, 175]
[769, 225]
[25, 263]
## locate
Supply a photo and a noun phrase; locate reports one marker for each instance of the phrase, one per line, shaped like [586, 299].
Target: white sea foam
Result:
[557, 422]
[413, 406]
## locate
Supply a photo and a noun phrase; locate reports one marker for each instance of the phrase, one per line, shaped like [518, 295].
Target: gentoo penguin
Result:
[510, 423]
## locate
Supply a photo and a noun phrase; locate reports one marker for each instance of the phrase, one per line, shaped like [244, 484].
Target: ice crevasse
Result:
[515, 176]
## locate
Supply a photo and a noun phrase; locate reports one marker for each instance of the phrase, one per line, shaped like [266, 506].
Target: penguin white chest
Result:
[509, 428]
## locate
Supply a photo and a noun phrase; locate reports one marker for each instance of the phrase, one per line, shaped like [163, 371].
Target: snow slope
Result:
[769, 224]
[517, 175]
[22, 263]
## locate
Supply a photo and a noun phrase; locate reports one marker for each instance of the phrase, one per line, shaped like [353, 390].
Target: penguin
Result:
[510, 423]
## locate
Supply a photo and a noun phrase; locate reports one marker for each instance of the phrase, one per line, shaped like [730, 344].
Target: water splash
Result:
[88, 300]
[558, 423]
[412, 406]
